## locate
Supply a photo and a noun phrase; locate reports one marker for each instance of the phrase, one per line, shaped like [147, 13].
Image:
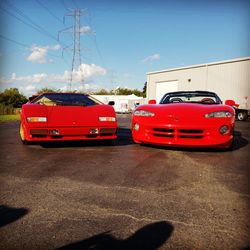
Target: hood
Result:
[77, 115]
[184, 111]
[67, 116]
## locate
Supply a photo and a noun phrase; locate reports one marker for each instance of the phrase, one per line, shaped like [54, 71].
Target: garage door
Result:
[164, 87]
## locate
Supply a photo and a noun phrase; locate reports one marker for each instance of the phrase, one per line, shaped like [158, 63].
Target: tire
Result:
[22, 135]
[242, 116]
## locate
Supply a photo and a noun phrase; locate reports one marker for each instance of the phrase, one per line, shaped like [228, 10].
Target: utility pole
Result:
[76, 29]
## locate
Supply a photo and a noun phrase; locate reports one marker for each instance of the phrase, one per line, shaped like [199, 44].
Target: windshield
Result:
[201, 97]
[66, 99]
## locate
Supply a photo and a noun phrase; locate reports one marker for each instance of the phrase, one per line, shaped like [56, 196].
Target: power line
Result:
[49, 11]
[19, 19]
[64, 5]
[96, 44]
[13, 41]
[24, 45]
[99, 52]
[30, 22]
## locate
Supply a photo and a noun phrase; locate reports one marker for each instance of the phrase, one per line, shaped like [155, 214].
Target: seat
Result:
[176, 99]
[207, 100]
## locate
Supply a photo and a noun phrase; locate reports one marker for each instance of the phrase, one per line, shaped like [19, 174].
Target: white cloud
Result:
[86, 30]
[55, 47]
[30, 87]
[39, 54]
[36, 78]
[81, 80]
[153, 57]
[83, 73]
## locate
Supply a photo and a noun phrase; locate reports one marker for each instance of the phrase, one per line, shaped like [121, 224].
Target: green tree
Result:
[120, 91]
[102, 92]
[46, 90]
[12, 97]
[126, 91]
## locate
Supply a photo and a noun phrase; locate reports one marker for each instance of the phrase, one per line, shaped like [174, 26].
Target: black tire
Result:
[242, 116]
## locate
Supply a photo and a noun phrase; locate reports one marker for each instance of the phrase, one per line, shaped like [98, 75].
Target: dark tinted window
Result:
[69, 99]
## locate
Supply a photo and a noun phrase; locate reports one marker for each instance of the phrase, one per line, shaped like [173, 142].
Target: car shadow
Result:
[10, 214]
[124, 137]
[239, 141]
[149, 237]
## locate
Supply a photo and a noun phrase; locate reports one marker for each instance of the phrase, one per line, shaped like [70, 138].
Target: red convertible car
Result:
[66, 116]
[185, 119]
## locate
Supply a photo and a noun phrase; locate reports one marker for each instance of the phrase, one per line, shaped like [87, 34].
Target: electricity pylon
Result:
[77, 31]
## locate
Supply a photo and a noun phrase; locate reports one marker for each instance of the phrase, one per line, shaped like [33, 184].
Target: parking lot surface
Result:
[79, 195]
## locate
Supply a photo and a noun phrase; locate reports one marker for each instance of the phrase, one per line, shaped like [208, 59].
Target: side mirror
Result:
[18, 104]
[152, 102]
[112, 103]
[232, 103]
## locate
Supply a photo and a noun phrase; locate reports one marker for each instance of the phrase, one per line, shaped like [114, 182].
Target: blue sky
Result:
[120, 40]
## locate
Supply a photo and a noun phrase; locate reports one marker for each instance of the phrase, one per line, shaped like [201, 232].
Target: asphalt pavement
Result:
[88, 195]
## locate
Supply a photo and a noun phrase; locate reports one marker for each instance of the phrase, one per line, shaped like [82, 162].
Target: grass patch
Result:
[9, 118]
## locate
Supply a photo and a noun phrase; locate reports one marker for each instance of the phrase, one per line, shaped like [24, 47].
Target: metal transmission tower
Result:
[77, 31]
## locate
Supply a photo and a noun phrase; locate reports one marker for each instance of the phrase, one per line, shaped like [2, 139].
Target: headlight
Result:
[143, 113]
[36, 119]
[107, 119]
[218, 114]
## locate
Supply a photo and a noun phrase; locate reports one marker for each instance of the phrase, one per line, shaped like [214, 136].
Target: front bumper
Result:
[176, 135]
[70, 133]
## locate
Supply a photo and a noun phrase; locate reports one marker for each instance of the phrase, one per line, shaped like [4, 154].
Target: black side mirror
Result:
[18, 104]
[112, 103]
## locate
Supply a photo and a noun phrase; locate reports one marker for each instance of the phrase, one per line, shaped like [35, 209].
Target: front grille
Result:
[163, 132]
[106, 134]
[164, 135]
[107, 130]
[178, 133]
[39, 132]
[191, 136]
[191, 131]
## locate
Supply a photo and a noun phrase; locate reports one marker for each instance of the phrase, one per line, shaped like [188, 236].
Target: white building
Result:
[229, 79]
[123, 103]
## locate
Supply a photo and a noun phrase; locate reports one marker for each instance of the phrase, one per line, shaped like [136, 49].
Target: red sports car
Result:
[185, 119]
[66, 116]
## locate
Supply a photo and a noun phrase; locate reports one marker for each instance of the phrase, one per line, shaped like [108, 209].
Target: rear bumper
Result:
[70, 133]
[179, 136]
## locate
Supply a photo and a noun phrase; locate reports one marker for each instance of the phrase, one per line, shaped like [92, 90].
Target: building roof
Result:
[200, 65]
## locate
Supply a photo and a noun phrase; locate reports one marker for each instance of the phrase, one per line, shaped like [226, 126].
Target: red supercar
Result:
[185, 119]
[66, 116]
